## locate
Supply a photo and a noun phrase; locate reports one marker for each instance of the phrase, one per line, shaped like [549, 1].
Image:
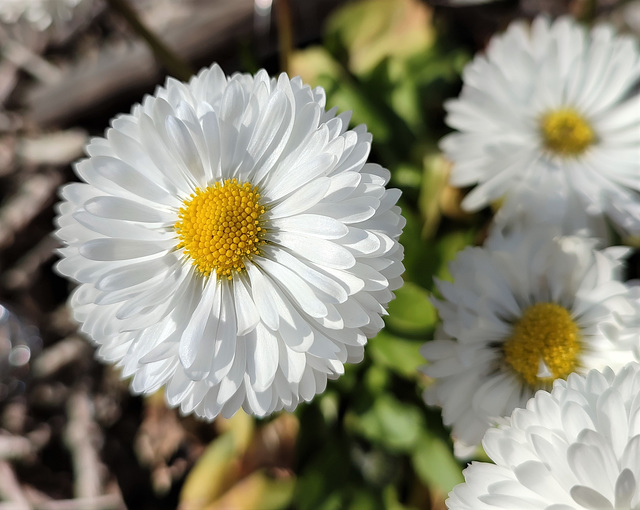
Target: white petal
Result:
[316, 250]
[312, 224]
[225, 337]
[123, 209]
[264, 297]
[192, 340]
[133, 274]
[302, 200]
[122, 249]
[185, 148]
[262, 358]
[246, 311]
[295, 287]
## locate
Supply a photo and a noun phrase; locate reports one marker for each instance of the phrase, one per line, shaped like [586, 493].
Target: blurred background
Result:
[71, 435]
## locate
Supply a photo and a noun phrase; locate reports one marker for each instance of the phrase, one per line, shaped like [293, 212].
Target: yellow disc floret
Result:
[219, 227]
[544, 345]
[566, 133]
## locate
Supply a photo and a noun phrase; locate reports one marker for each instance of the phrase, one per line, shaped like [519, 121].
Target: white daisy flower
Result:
[41, 14]
[576, 448]
[520, 313]
[231, 243]
[552, 104]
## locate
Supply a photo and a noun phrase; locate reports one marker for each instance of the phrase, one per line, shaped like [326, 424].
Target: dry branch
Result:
[106, 502]
[94, 81]
[59, 148]
[59, 355]
[10, 488]
[80, 438]
[12, 447]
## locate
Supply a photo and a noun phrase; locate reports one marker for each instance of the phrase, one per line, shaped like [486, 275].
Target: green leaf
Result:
[391, 83]
[391, 499]
[371, 30]
[257, 490]
[364, 499]
[407, 176]
[435, 464]
[389, 422]
[411, 312]
[376, 379]
[420, 257]
[218, 467]
[323, 483]
[448, 247]
[211, 475]
[399, 354]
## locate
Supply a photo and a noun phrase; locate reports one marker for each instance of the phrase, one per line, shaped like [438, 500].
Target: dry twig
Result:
[10, 488]
[118, 69]
[58, 355]
[59, 148]
[80, 438]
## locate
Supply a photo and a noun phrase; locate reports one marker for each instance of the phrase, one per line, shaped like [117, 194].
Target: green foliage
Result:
[410, 312]
[384, 61]
[389, 422]
[399, 354]
[435, 464]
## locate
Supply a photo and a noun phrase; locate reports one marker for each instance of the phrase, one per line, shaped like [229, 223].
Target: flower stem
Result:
[589, 11]
[285, 33]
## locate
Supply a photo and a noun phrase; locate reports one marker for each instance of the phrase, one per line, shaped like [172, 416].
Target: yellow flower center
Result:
[544, 345]
[566, 133]
[219, 227]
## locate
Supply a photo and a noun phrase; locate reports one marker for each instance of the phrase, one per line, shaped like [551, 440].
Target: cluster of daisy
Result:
[232, 244]
[548, 123]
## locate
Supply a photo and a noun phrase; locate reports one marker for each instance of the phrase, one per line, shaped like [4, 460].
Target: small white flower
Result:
[521, 312]
[576, 448]
[231, 243]
[41, 14]
[553, 105]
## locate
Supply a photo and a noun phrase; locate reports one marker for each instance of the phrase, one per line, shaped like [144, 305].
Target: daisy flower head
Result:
[521, 312]
[575, 448]
[231, 243]
[550, 104]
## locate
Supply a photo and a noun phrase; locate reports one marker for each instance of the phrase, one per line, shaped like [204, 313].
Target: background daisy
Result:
[554, 103]
[232, 243]
[522, 312]
[574, 448]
